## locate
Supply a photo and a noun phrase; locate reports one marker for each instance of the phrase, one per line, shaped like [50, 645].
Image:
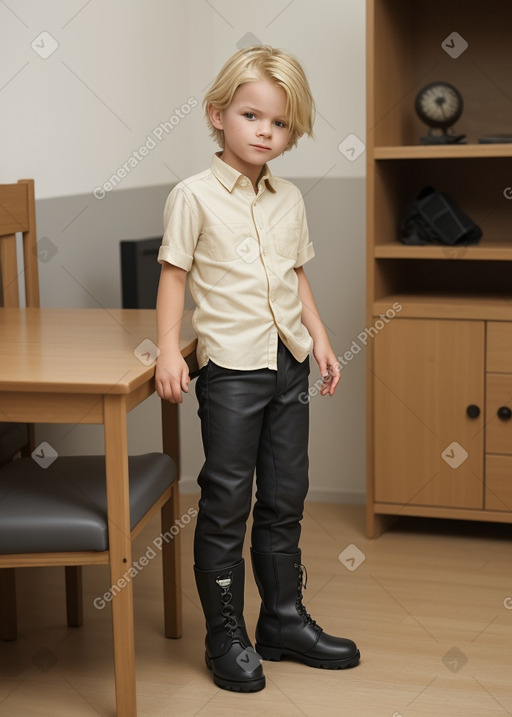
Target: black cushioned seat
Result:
[64, 507]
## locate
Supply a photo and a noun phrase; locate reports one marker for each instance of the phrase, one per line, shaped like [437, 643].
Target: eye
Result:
[249, 115]
[280, 123]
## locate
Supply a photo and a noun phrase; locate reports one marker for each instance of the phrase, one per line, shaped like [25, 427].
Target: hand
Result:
[171, 377]
[329, 368]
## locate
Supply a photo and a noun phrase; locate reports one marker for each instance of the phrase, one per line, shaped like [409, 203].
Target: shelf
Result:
[481, 307]
[450, 151]
[485, 251]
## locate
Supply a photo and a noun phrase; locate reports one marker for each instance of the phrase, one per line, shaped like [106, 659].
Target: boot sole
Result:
[232, 686]
[274, 654]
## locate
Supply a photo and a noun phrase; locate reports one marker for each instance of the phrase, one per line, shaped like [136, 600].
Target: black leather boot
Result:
[284, 627]
[229, 653]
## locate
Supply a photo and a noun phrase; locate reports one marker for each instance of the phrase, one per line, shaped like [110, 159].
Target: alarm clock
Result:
[439, 105]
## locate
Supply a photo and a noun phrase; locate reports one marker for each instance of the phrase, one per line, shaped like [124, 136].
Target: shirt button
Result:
[243, 182]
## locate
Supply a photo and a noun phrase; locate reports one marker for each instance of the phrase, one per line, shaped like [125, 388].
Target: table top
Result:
[80, 350]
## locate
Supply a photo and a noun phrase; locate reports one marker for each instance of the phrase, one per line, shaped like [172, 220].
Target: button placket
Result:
[257, 224]
[266, 259]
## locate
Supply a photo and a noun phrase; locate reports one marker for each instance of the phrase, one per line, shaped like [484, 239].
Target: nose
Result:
[265, 129]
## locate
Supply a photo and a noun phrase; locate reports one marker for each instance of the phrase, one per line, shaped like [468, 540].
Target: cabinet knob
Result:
[473, 411]
[504, 413]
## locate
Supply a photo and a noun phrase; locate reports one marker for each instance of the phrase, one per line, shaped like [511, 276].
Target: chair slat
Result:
[14, 208]
[30, 257]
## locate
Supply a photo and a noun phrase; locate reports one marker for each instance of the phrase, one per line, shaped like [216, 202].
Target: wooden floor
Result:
[429, 604]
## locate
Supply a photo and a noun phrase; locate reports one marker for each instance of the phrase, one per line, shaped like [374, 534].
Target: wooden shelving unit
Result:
[433, 359]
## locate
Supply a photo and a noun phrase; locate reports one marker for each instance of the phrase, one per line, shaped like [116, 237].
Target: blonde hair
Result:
[261, 62]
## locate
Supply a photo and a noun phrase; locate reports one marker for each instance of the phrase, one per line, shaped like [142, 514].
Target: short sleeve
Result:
[305, 251]
[181, 229]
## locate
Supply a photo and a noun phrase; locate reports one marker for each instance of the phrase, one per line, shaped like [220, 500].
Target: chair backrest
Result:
[18, 214]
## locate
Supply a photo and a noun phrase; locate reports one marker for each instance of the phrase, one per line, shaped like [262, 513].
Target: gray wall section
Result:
[82, 269]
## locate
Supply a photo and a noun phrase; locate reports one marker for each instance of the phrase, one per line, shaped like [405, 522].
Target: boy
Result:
[241, 235]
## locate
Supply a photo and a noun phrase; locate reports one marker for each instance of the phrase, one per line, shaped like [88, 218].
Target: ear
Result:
[215, 116]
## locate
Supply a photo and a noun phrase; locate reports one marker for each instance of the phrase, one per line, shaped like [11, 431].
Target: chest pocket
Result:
[286, 239]
[229, 242]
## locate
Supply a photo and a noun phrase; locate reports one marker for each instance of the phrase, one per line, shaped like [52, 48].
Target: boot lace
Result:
[302, 585]
[228, 608]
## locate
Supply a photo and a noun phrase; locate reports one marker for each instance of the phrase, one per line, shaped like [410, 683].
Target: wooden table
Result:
[79, 366]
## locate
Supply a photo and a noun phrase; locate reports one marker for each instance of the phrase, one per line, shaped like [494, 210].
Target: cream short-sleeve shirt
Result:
[241, 250]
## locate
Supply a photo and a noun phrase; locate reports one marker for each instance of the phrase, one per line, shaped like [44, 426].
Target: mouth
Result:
[260, 146]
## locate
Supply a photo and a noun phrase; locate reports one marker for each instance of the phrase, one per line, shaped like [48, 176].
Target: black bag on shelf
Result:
[434, 218]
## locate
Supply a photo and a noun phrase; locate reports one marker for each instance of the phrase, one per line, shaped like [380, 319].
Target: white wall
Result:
[121, 69]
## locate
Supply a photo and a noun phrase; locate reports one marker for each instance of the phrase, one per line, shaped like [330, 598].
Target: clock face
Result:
[439, 105]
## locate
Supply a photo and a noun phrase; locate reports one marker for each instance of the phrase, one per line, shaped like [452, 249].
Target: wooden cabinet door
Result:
[428, 451]
[498, 438]
[498, 482]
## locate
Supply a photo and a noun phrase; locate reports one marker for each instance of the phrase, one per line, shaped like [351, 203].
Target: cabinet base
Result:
[382, 515]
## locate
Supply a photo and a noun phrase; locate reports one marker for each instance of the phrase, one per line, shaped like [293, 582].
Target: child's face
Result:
[255, 127]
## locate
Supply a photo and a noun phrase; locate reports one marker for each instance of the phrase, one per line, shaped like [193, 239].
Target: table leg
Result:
[8, 615]
[74, 596]
[116, 461]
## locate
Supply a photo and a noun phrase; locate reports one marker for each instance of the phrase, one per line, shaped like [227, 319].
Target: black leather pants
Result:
[251, 420]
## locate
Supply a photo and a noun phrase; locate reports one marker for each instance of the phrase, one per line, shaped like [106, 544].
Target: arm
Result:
[172, 375]
[322, 350]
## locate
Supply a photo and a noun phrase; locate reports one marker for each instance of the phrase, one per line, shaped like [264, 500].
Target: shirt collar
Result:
[229, 176]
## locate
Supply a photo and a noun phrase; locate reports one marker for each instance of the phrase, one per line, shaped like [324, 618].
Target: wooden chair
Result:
[60, 514]
[63, 510]
[17, 214]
